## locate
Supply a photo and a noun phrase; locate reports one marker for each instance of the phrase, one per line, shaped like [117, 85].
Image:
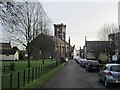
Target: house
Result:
[8, 53]
[81, 53]
[95, 49]
[46, 46]
[5, 46]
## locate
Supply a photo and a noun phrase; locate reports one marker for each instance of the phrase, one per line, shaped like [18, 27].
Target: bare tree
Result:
[105, 30]
[23, 22]
[103, 34]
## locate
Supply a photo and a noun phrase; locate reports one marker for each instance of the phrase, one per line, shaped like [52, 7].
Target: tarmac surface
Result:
[73, 76]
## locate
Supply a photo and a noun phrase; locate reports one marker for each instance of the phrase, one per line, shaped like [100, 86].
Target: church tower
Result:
[60, 31]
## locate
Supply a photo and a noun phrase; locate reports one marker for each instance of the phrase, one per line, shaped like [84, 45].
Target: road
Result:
[73, 76]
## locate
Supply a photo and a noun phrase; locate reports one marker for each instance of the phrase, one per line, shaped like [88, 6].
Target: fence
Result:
[21, 78]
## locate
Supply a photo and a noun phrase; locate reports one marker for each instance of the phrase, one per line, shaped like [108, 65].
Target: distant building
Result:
[81, 53]
[5, 46]
[95, 50]
[45, 46]
[115, 41]
[8, 53]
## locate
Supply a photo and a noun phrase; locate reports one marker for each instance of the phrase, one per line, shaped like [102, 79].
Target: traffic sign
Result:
[114, 57]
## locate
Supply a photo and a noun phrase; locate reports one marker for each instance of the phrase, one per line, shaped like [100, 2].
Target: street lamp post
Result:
[41, 54]
[42, 57]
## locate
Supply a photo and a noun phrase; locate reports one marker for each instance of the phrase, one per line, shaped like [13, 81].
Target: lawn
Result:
[24, 75]
[21, 65]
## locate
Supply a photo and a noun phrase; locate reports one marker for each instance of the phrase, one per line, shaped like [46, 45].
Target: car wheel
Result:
[99, 78]
[88, 69]
[106, 83]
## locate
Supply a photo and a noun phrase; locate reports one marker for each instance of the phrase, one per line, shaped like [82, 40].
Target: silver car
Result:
[110, 74]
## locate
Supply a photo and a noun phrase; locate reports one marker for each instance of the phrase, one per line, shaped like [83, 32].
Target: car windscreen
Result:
[115, 68]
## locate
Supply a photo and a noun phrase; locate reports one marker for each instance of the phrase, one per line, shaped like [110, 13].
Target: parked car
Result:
[80, 61]
[77, 58]
[83, 63]
[92, 65]
[110, 74]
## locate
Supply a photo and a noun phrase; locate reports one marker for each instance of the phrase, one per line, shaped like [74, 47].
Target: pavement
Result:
[73, 76]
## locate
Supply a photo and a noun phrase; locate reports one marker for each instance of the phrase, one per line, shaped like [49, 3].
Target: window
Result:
[115, 68]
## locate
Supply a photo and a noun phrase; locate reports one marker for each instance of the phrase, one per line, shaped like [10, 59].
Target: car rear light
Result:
[109, 73]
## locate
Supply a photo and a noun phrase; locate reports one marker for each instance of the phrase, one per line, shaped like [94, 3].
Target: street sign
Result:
[26, 55]
[114, 57]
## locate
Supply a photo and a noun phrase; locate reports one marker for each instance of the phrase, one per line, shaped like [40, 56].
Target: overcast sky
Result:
[82, 18]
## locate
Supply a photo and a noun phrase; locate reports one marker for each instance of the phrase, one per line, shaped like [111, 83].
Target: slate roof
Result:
[11, 51]
[97, 45]
[53, 38]
[6, 49]
[7, 45]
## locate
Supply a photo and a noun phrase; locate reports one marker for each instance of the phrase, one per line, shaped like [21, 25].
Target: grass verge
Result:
[42, 80]
[21, 65]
